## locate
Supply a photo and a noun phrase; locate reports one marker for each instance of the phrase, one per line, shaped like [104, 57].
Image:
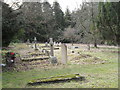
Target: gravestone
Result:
[63, 54]
[45, 52]
[51, 47]
[57, 44]
[35, 41]
[46, 44]
[54, 43]
[28, 42]
[53, 59]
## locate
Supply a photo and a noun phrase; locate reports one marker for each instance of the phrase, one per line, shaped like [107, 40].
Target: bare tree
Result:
[69, 34]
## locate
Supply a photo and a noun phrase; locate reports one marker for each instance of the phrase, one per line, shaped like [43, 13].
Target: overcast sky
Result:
[71, 4]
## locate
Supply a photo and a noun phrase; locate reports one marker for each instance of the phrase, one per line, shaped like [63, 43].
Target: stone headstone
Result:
[51, 47]
[46, 44]
[54, 43]
[35, 41]
[57, 44]
[63, 54]
[28, 41]
[45, 52]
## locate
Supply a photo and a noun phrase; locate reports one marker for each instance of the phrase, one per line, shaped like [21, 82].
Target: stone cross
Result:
[63, 54]
[51, 47]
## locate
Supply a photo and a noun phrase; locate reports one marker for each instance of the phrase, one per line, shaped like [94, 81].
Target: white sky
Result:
[71, 4]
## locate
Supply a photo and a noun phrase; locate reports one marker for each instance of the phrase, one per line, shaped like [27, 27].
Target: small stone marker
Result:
[28, 41]
[57, 44]
[64, 54]
[46, 44]
[54, 43]
[45, 52]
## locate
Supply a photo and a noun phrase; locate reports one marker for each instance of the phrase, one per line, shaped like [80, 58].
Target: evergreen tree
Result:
[10, 24]
[59, 24]
[109, 21]
[68, 18]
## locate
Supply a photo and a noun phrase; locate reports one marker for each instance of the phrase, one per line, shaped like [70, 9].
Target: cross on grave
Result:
[53, 59]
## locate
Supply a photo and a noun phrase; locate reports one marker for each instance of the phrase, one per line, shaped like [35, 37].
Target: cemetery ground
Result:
[99, 66]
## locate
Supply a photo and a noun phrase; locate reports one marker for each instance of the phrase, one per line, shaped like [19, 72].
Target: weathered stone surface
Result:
[51, 47]
[63, 54]
[57, 79]
[53, 59]
[34, 58]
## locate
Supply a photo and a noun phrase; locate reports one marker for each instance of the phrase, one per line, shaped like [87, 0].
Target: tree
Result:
[93, 15]
[33, 20]
[59, 24]
[68, 18]
[10, 25]
[109, 22]
[85, 18]
[49, 19]
[69, 35]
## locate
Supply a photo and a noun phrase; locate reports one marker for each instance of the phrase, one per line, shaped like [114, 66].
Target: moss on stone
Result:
[57, 79]
[35, 58]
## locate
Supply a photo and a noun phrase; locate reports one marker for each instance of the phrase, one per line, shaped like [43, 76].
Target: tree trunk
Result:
[95, 44]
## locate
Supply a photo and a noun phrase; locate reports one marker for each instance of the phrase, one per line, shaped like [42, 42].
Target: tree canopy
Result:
[95, 23]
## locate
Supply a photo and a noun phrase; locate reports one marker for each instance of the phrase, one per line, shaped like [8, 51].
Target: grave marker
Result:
[53, 59]
[64, 54]
[35, 41]
[51, 47]
[46, 44]
[28, 41]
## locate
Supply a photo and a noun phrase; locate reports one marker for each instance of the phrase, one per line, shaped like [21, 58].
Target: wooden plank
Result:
[57, 79]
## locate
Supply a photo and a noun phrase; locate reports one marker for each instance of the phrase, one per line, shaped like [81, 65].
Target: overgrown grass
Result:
[96, 75]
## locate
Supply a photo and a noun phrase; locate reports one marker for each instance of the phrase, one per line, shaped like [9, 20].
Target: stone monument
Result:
[63, 54]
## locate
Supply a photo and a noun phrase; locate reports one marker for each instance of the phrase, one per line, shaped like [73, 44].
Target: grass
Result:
[96, 75]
